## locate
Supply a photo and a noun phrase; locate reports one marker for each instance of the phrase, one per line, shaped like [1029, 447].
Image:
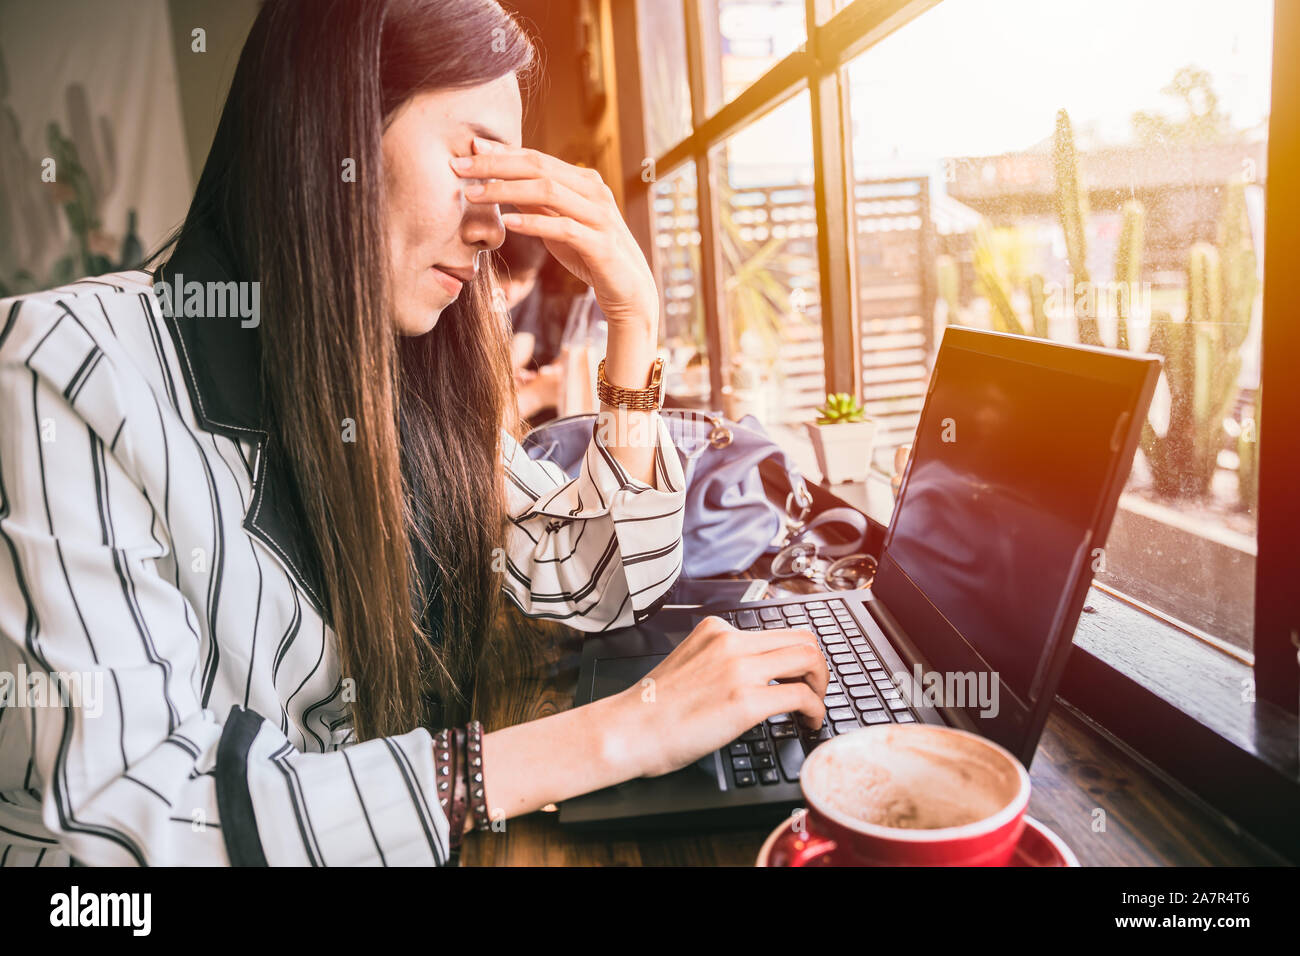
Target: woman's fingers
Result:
[504, 162]
[715, 627]
[758, 642]
[541, 194]
[795, 698]
[533, 181]
[721, 639]
[796, 661]
[556, 228]
[713, 635]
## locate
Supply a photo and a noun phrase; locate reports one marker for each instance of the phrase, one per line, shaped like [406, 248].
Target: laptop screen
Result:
[1014, 469]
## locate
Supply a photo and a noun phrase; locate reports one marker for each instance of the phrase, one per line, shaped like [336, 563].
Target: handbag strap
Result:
[719, 437]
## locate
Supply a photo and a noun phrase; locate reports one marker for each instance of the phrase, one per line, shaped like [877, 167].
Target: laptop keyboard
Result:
[860, 693]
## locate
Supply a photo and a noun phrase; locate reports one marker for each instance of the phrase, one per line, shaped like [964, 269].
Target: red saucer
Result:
[1038, 846]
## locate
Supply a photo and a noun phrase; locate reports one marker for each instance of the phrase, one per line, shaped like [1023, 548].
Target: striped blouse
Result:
[172, 689]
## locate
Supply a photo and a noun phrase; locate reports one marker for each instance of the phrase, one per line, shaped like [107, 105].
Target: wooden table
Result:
[1111, 808]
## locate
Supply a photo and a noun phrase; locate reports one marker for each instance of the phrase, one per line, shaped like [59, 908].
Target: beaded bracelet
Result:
[449, 770]
[459, 803]
[477, 797]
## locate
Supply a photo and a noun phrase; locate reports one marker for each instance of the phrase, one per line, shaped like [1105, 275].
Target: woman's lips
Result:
[447, 281]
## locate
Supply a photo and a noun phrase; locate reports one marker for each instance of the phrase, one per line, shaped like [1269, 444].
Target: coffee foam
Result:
[911, 778]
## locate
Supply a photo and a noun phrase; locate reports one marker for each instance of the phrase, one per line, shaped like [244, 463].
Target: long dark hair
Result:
[316, 84]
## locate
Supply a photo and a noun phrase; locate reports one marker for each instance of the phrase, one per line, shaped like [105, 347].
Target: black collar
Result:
[221, 362]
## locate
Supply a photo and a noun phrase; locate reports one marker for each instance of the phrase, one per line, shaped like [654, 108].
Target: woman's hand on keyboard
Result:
[717, 684]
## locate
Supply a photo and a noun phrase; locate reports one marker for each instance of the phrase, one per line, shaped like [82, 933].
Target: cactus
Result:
[97, 154]
[1128, 265]
[1038, 305]
[991, 283]
[840, 408]
[1072, 207]
[1248, 460]
[1202, 362]
[1240, 285]
[132, 253]
[85, 172]
[29, 217]
[79, 203]
[1237, 253]
[1201, 353]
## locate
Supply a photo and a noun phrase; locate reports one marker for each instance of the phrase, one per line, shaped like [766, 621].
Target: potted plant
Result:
[842, 437]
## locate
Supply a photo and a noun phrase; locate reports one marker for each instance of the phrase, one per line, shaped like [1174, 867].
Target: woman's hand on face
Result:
[717, 684]
[573, 212]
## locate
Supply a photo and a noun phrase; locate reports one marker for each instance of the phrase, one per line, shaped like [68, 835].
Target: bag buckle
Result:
[798, 496]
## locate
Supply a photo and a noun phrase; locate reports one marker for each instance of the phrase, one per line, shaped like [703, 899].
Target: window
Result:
[893, 242]
[1121, 202]
[742, 39]
[1115, 207]
[827, 10]
[769, 266]
[676, 226]
[661, 36]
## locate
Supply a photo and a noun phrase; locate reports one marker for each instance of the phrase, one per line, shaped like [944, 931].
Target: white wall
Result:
[120, 52]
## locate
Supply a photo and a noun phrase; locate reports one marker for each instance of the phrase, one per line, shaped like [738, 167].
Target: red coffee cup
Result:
[909, 795]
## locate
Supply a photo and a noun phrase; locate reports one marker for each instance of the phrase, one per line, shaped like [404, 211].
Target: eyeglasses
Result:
[804, 559]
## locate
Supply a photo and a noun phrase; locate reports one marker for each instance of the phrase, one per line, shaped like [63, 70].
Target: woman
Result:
[263, 499]
[520, 260]
[538, 304]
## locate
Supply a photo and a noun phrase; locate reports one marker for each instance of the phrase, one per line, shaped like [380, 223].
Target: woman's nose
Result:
[481, 226]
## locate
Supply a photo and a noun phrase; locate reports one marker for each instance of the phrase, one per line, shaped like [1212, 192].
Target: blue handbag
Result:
[730, 521]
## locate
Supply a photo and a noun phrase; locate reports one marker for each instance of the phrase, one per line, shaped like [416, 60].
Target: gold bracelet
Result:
[646, 399]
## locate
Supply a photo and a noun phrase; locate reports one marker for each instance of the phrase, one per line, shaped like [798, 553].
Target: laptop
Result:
[1020, 455]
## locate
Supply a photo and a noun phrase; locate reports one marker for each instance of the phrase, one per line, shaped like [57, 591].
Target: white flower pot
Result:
[843, 450]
